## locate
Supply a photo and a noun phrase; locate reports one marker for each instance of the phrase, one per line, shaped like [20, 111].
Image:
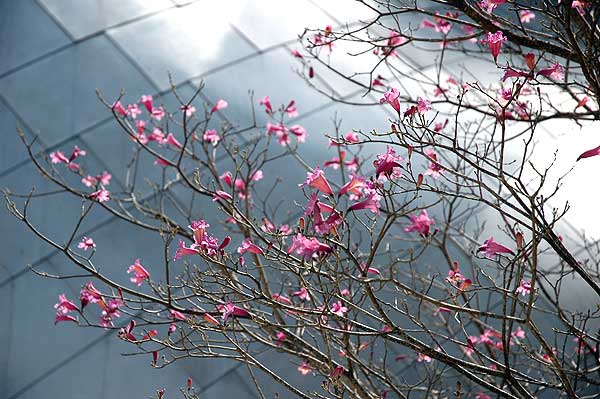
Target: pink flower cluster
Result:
[204, 243]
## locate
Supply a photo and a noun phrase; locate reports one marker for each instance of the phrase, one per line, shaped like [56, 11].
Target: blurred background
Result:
[54, 54]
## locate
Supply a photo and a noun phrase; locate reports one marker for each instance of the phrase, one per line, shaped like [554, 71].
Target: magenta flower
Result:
[494, 41]
[337, 372]
[304, 368]
[101, 195]
[64, 317]
[248, 246]
[283, 299]
[89, 294]
[177, 315]
[385, 163]
[227, 178]
[589, 153]
[307, 246]
[86, 243]
[291, 110]
[339, 309]
[188, 110]
[133, 110]
[391, 97]
[211, 136]
[266, 101]
[173, 141]
[371, 203]
[147, 101]
[182, 250]
[423, 105]
[369, 270]
[423, 358]
[126, 333]
[219, 194]
[58, 157]
[317, 180]
[354, 186]
[280, 337]
[139, 273]
[229, 309]
[302, 294]
[441, 25]
[109, 312]
[158, 113]
[64, 306]
[221, 104]
[118, 107]
[435, 169]
[492, 248]
[420, 223]
[299, 132]
[556, 72]
[526, 16]
[524, 288]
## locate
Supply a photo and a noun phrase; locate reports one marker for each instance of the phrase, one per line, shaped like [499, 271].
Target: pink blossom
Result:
[296, 53]
[371, 203]
[86, 243]
[434, 169]
[158, 136]
[391, 97]
[302, 294]
[89, 294]
[89, 181]
[280, 337]
[101, 195]
[64, 306]
[317, 180]
[423, 105]
[385, 163]
[173, 141]
[420, 223]
[126, 333]
[118, 107]
[139, 273]
[229, 309]
[266, 101]
[337, 372]
[492, 248]
[189, 110]
[221, 195]
[354, 186]
[158, 113]
[441, 25]
[182, 250]
[141, 127]
[339, 309]
[481, 395]
[109, 312]
[77, 152]
[58, 157]
[299, 132]
[524, 288]
[494, 41]
[369, 270]
[490, 5]
[147, 101]
[307, 246]
[104, 178]
[304, 368]
[133, 110]
[210, 135]
[556, 72]
[291, 109]
[177, 315]
[227, 178]
[526, 16]
[221, 104]
[589, 153]
[519, 333]
[248, 246]
[282, 299]
[423, 358]
[64, 317]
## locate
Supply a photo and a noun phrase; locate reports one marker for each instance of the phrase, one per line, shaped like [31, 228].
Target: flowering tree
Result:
[369, 270]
